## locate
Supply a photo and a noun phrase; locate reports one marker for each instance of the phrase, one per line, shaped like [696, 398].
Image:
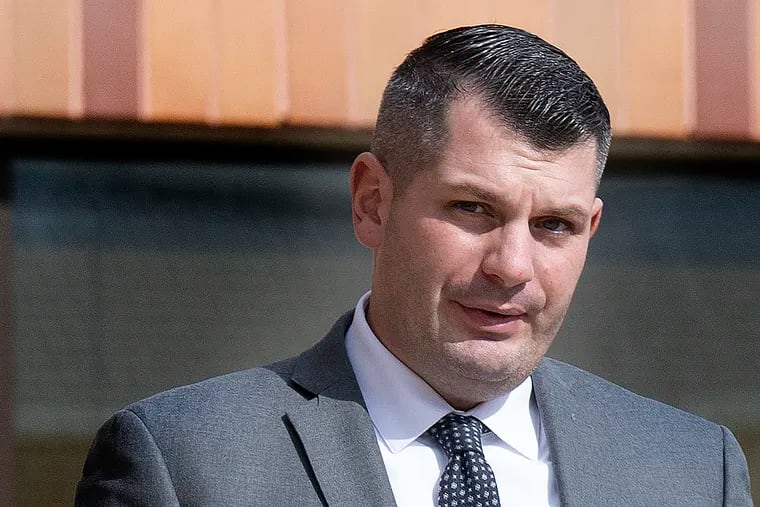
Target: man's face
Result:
[477, 259]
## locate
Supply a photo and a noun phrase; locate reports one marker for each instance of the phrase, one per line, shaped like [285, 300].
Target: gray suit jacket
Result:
[297, 433]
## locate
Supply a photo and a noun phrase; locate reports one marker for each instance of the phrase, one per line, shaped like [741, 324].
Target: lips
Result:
[491, 318]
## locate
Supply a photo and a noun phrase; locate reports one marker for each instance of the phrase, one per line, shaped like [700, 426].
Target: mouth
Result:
[493, 319]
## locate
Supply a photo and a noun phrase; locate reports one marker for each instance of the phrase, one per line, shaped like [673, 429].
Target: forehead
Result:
[477, 140]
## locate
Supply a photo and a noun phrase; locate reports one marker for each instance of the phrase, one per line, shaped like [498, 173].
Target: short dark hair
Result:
[533, 87]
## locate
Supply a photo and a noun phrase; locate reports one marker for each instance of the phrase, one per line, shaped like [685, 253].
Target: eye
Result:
[470, 207]
[555, 225]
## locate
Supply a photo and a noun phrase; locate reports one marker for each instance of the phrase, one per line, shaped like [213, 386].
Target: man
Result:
[478, 199]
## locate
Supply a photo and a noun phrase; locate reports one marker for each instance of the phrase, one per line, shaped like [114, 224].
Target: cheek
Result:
[559, 273]
[447, 250]
[413, 257]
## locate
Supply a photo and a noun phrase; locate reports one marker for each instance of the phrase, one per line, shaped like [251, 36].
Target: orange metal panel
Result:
[533, 16]
[252, 61]
[587, 31]
[47, 57]
[178, 52]
[110, 58]
[76, 58]
[439, 15]
[318, 61]
[656, 82]
[754, 66]
[722, 69]
[7, 101]
[377, 53]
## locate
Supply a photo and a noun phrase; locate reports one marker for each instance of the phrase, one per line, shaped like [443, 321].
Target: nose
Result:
[509, 255]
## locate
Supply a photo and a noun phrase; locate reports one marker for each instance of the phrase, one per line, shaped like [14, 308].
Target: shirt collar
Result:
[402, 406]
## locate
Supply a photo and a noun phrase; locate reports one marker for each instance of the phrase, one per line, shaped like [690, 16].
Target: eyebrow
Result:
[476, 192]
[485, 195]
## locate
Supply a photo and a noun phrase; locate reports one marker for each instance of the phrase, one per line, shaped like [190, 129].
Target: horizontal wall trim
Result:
[130, 140]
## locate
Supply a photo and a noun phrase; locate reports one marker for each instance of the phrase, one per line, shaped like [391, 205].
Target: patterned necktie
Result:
[467, 480]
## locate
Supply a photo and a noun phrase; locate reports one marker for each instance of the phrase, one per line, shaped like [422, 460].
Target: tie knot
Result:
[458, 433]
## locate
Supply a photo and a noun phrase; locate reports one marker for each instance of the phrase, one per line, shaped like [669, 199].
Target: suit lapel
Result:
[342, 451]
[334, 427]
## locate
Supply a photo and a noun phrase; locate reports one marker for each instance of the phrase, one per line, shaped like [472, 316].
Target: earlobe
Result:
[596, 215]
[371, 194]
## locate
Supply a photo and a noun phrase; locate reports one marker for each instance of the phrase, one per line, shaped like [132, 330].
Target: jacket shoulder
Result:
[608, 398]
[244, 394]
[610, 443]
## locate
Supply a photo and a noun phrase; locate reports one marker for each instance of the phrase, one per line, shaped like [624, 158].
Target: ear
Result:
[371, 195]
[596, 215]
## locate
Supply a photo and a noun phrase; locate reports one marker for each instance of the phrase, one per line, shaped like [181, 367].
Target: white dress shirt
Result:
[402, 408]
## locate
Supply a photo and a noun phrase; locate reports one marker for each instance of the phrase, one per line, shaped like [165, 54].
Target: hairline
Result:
[402, 177]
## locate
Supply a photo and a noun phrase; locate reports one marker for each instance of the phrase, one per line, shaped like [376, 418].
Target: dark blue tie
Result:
[467, 480]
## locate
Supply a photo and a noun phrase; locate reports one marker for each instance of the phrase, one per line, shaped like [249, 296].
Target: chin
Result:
[504, 369]
[485, 369]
